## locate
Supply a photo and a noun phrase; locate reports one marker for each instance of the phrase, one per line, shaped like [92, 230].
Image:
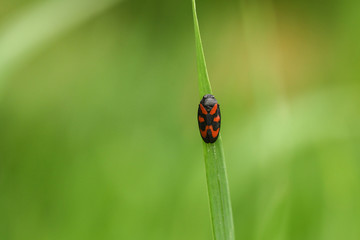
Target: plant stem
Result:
[217, 183]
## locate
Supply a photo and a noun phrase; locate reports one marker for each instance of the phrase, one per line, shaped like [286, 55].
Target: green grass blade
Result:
[218, 187]
[204, 84]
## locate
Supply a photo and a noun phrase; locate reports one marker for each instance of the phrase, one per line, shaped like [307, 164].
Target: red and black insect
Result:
[209, 118]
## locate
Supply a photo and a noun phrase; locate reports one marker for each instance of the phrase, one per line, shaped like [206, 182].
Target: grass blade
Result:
[218, 187]
[204, 84]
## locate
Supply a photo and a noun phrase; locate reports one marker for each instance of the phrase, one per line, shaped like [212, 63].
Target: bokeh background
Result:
[98, 131]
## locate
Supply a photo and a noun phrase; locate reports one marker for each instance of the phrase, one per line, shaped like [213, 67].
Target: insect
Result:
[209, 118]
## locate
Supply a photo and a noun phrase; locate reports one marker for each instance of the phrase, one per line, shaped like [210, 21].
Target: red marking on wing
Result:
[203, 133]
[203, 110]
[213, 110]
[201, 119]
[217, 118]
[214, 133]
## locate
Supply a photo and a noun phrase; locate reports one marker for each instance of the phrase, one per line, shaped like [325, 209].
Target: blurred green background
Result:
[98, 131]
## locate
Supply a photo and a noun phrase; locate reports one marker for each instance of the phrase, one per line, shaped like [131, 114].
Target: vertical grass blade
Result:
[218, 187]
[204, 84]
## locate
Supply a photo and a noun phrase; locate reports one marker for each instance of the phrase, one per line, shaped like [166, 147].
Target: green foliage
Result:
[97, 139]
